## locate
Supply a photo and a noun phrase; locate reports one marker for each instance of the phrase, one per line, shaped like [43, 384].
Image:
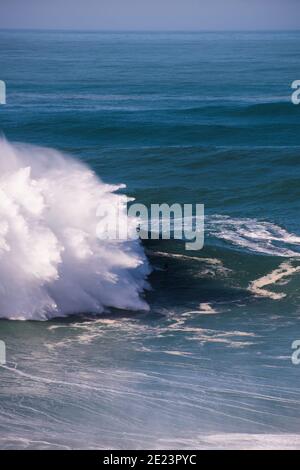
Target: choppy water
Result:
[189, 118]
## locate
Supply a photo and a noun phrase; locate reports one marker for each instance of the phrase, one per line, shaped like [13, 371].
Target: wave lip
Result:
[51, 262]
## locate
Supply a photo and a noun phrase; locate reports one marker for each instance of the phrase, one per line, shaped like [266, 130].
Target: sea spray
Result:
[51, 261]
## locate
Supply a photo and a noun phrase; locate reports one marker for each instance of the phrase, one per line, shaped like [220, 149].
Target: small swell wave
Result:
[51, 261]
[271, 109]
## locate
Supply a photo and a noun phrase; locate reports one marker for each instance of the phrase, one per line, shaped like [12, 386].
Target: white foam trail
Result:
[211, 266]
[283, 271]
[51, 262]
[213, 261]
[251, 234]
[204, 309]
[241, 441]
[254, 235]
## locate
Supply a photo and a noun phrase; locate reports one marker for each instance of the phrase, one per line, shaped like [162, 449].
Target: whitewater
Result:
[52, 262]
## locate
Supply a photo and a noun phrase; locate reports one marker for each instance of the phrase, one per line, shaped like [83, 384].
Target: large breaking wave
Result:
[51, 261]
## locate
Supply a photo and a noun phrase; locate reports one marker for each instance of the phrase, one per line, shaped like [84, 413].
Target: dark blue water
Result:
[178, 117]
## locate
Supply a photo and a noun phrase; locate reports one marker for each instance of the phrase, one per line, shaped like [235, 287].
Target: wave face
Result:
[51, 261]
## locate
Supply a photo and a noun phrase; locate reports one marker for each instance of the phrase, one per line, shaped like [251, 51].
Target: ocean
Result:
[195, 356]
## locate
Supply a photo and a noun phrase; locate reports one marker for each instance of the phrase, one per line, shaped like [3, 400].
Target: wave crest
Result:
[51, 262]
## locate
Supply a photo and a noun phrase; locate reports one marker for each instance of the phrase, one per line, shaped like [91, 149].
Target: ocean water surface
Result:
[202, 358]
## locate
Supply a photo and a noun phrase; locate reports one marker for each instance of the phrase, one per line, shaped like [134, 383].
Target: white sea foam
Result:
[285, 270]
[51, 262]
[251, 234]
[254, 235]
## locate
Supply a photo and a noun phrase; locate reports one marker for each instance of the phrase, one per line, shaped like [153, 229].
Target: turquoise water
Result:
[178, 117]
